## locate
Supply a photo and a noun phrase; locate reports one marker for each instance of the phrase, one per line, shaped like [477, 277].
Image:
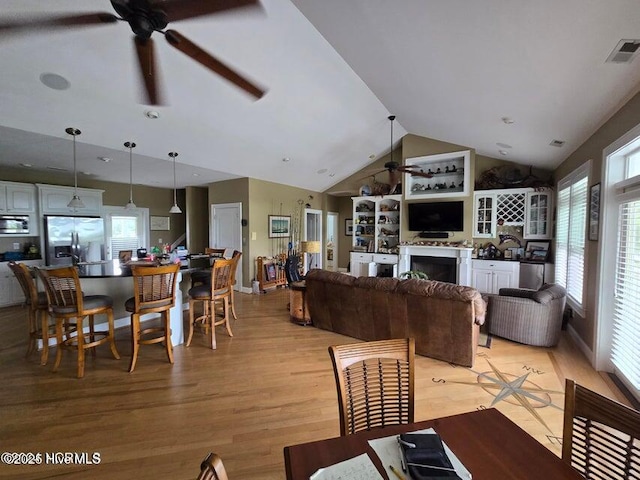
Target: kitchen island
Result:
[114, 279]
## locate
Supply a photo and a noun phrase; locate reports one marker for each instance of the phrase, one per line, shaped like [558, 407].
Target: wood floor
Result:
[269, 386]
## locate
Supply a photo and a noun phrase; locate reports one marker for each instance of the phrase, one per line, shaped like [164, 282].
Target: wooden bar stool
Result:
[66, 301]
[217, 291]
[154, 292]
[38, 314]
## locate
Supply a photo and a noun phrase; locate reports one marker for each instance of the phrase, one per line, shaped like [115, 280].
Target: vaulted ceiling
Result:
[333, 71]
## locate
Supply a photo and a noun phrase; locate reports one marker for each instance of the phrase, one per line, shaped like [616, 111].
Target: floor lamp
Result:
[310, 247]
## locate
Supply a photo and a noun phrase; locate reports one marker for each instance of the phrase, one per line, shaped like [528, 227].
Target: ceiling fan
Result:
[396, 170]
[146, 17]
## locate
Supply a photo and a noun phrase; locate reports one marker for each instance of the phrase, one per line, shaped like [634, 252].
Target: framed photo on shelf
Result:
[279, 226]
[594, 211]
[537, 251]
[348, 227]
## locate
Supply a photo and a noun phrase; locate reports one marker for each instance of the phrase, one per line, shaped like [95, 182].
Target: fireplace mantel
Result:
[463, 256]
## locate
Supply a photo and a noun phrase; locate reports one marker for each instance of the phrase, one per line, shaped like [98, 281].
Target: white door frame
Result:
[238, 226]
[332, 219]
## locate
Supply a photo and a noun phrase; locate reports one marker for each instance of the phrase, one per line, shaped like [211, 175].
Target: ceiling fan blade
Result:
[59, 22]
[149, 72]
[199, 55]
[182, 9]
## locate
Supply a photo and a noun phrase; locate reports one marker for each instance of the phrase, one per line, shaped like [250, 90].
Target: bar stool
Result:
[154, 292]
[218, 290]
[67, 301]
[37, 315]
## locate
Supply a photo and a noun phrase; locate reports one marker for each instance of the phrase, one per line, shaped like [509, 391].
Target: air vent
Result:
[625, 51]
[557, 143]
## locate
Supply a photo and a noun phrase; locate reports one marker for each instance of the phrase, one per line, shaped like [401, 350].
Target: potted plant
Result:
[414, 274]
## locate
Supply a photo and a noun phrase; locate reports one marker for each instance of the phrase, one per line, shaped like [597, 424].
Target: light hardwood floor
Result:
[269, 386]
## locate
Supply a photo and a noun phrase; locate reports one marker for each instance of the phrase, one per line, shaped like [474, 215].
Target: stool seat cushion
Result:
[90, 302]
[130, 304]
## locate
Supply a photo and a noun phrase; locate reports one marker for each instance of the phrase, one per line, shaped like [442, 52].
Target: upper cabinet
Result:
[437, 176]
[521, 207]
[19, 198]
[376, 224]
[538, 214]
[54, 200]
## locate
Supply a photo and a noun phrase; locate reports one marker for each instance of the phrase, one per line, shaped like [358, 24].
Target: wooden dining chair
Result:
[154, 292]
[37, 311]
[66, 301]
[232, 304]
[216, 293]
[601, 437]
[375, 383]
[212, 468]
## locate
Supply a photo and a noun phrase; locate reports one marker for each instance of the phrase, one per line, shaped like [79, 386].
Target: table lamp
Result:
[310, 247]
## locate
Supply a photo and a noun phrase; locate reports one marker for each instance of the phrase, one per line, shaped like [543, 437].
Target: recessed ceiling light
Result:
[503, 145]
[104, 159]
[54, 81]
[502, 152]
[87, 173]
[508, 120]
[152, 114]
[27, 165]
[286, 159]
[322, 170]
[332, 174]
[195, 174]
[372, 156]
[557, 143]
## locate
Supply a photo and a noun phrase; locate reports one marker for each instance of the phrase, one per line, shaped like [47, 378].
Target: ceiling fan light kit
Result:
[75, 200]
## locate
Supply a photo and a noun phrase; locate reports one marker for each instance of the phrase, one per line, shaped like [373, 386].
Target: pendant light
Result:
[130, 205]
[75, 200]
[175, 208]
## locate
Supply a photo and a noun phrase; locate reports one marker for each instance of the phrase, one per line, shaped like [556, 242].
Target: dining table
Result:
[487, 443]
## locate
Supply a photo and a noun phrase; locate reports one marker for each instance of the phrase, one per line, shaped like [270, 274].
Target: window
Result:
[571, 234]
[126, 229]
[626, 329]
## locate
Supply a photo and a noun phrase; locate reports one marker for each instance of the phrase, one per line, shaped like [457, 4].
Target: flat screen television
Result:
[436, 217]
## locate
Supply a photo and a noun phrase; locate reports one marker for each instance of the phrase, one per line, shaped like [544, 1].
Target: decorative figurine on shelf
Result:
[430, 172]
[428, 187]
[461, 184]
[438, 171]
[446, 169]
[453, 168]
[453, 185]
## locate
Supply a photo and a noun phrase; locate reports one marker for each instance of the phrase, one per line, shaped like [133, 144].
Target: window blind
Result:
[571, 233]
[626, 329]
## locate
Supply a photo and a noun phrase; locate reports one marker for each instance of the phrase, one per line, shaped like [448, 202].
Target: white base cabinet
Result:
[373, 264]
[10, 290]
[489, 276]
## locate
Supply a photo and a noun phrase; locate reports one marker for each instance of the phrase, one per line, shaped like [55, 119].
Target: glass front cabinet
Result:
[520, 207]
[437, 176]
[376, 224]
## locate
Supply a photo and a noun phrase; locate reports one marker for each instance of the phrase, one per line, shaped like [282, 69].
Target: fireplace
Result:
[442, 269]
[458, 258]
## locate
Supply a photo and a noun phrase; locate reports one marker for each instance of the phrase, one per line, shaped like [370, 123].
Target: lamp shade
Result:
[312, 246]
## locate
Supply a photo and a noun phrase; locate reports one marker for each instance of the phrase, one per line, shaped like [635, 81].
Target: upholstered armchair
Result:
[533, 317]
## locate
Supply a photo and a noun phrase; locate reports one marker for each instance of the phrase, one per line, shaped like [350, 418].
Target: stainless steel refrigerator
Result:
[70, 240]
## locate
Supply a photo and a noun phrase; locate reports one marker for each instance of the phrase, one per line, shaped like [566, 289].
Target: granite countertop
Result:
[108, 269]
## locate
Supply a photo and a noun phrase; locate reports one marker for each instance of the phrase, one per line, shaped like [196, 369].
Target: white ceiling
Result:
[449, 70]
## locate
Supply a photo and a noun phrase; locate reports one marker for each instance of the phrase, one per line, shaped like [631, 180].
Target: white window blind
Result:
[124, 234]
[571, 234]
[625, 354]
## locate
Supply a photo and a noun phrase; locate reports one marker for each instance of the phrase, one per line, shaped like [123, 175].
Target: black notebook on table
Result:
[424, 457]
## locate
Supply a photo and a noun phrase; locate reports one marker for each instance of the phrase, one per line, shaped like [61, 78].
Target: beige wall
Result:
[197, 215]
[621, 122]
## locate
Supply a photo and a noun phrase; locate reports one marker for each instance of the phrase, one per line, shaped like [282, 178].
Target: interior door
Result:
[226, 231]
[313, 231]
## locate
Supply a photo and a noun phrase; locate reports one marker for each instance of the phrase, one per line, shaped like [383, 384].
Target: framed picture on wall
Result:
[594, 211]
[279, 226]
[348, 226]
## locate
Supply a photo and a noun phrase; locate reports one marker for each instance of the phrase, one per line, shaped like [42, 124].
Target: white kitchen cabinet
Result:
[10, 290]
[18, 198]
[54, 200]
[359, 264]
[538, 213]
[489, 276]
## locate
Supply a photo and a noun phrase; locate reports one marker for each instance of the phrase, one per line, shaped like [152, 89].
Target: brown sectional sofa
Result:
[443, 318]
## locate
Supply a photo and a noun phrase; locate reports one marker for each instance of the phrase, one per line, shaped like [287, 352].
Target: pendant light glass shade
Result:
[75, 200]
[130, 205]
[175, 208]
